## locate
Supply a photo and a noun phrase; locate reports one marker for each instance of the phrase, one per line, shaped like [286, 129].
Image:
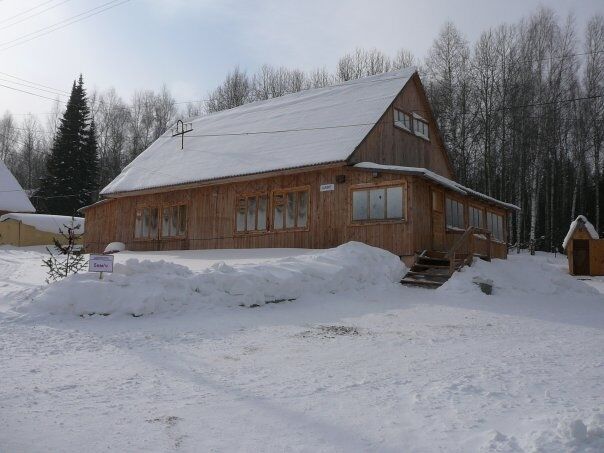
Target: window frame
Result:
[503, 230]
[477, 208]
[272, 205]
[455, 228]
[248, 195]
[401, 124]
[382, 185]
[161, 216]
[418, 119]
[141, 208]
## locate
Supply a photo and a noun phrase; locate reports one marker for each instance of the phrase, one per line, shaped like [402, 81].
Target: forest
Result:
[521, 111]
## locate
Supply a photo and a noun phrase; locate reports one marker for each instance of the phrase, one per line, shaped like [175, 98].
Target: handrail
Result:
[468, 234]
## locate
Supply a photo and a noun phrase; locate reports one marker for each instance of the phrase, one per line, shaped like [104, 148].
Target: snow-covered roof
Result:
[12, 195]
[46, 222]
[312, 127]
[580, 220]
[448, 183]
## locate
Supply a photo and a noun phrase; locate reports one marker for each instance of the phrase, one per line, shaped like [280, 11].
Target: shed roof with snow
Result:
[307, 128]
[580, 221]
[12, 195]
[46, 222]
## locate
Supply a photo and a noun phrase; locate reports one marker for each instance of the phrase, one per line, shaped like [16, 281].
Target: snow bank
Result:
[572, 435]
[145, 287]
[518, 276]
[46, 222]
[573, 226]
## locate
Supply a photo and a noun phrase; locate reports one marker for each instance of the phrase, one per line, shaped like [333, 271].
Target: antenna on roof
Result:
[184, 128]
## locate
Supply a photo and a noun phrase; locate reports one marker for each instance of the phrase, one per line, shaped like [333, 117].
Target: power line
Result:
[32, 87]
[26, 11]
[59, 25]
[29, 92]
[33, 83]
[32, 15]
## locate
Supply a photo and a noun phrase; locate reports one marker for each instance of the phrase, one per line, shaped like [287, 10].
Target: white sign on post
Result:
[100, 263]
[327, 187]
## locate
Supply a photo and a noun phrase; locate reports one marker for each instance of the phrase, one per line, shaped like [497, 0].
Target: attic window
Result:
[421, 127]
[403, 120]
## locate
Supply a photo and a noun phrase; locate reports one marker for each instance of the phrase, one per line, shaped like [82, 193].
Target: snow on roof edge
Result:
[221, 178]
[581, 219]
[45, 222]
[450, 184]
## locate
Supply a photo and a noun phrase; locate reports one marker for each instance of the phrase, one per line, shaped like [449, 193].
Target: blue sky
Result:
[191, 44]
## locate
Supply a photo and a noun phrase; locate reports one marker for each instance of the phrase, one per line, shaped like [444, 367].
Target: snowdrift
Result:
[518, 276]
[144, 287]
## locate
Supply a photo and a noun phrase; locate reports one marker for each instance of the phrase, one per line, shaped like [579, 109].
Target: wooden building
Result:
[584, 248]
[22, 230]
[360, 161]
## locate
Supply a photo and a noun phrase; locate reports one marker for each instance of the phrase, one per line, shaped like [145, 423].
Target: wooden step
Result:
[426, 283]
[424, 274]
[429, 260]
[429, 266]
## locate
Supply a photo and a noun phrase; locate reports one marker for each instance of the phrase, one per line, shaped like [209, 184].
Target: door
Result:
[580, 257]
[438, 221]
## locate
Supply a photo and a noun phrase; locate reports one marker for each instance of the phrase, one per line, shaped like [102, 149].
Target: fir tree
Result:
[72, 168]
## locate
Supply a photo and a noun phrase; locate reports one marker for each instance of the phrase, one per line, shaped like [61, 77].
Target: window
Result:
[421, 128]
[454, 214]
[146, 224]
[403, 120]
[290, 209]
[495, 225]
[378, 203]
[251, 213]
[174, 221]
[476, 215]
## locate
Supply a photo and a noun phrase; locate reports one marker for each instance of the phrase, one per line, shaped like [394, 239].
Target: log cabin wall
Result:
[389, 144]
[211, 215]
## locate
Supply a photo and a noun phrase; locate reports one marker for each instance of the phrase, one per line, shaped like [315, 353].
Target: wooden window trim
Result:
[397, 123]
[148, 238]
[385, 184]
[503, 226]
[272, 209]
[247, 195]
[161, 211]
[456, 230]
[479, 208]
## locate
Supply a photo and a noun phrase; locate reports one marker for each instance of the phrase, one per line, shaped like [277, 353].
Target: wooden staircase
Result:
[432, 269]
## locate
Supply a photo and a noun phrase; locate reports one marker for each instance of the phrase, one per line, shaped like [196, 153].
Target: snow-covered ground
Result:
[352, 364]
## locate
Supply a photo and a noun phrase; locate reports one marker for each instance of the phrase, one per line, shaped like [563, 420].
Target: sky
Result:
[190, 45]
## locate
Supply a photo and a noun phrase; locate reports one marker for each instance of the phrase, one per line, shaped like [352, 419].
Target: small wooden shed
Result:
[584, 248]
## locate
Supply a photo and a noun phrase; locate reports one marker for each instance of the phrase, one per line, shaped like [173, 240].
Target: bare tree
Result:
[236, 90]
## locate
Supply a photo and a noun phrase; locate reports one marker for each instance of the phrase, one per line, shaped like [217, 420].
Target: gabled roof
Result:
[440, 180]
[312, 127]
[580, 220]
[12, 195]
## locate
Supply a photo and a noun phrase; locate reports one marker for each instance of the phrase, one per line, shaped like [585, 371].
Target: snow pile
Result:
[573, 435]
[518, 276]
[145, 287]
[580, 220]
[46, 222]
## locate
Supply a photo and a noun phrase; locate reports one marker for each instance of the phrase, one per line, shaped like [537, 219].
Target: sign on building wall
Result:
[327, 187]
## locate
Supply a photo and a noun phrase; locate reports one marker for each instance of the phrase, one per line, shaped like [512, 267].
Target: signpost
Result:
[100, 263]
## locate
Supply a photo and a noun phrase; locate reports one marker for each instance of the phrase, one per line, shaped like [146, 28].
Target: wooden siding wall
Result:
[211, 216]
[391, 145]
[596, 256]
[580, 233]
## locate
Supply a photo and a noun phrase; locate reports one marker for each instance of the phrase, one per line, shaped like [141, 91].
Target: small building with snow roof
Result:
[584, 248]
[23, 229]
[12, 196]
[358, 161]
